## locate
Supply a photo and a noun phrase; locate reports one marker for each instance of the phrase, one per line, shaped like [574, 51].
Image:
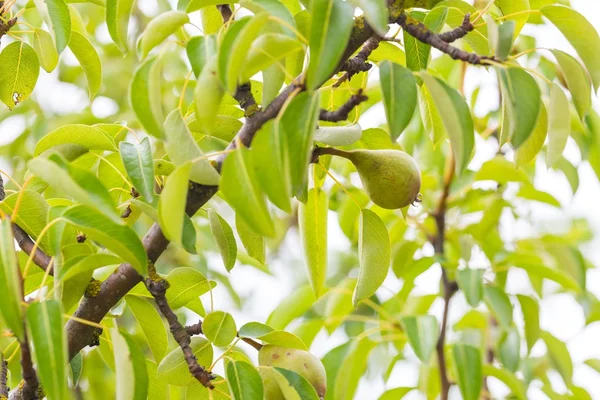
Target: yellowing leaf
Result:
[219, 327]
[225, 240]
[534, 143]
[10, 281]
[374, 255]
[208, 96]
[118, 14]
[160, 28]
[88, 59]
[172, 201]
[578, 82]
[559, 126]
[46, 49]
[580, 33]
[130, 367]
[20, 69]
[312, 222]
[56, 15]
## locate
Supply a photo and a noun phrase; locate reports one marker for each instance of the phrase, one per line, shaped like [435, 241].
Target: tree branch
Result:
[243, 95]
[40, 258]
[458, 33]
[157, 287]
[341, 114]
[419, 31]
[5, 25]
[3, 379]
[358, 63]
[449, 287]
[30, 388]
[125, 277]
[196, 329]
[226, 12]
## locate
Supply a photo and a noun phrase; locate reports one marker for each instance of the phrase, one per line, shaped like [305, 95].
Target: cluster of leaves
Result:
[186, 99]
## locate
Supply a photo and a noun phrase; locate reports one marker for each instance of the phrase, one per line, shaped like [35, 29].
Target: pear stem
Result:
[319, 151]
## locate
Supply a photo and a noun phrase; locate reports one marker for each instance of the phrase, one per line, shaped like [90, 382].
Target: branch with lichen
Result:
[420, 32]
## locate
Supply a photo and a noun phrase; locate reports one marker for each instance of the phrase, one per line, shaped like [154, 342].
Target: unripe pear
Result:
[299, 361]
[391, 177]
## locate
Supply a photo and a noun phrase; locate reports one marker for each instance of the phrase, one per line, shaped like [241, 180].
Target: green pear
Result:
[299, 361]
[391, 177]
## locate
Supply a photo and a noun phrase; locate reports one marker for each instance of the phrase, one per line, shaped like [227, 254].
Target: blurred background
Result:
[60, 98]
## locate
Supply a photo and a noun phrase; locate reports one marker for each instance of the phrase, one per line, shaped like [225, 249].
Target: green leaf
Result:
[219, 327]
[20, 69]
[399, 89]
[182, 149]
[501, 170]
[531, 193]
[376, 13]
[235, 46]
[312, 223]
[578, 82]
[432, 121]
[560, 358]
[283, 339]
[75, 183]
[32, 214]
[396, 393]
[523, 100]
[45, 323]
[253, 242]
[244, 381]
[160, 28]
[119, 238]
[207, 96]
[534, 143]
[254, 329]
[510, 380]
[470, 282]
[145, 97]
[512, 7]
[86, 265]
[417, 52]
[266, 50]
[200, 49]
[118, 14]
[130, 365]
[239, 185]
[457, 9]
[270, 157]
[152, 325]
[580, 33]
[456, 116]
[10, 281]
[499, 303]
[346, 374]
[225, 240]
[298, 124]
[199, 392]
[559, 126]
[292, 307]
[172, 201]
[56, 15]
[88, 137]
[593, 363]
[194, 5]
[509, 347]
[374, 255]
[139, 165]
[278, 9]
[467, 360]
[45, 49]
[422, 333]
[89, 60]
[174, 369]
[186, 284]
[329, 33]
[293, 385]
[501, 36]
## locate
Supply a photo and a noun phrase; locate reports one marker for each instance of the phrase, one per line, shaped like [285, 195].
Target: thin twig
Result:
[460, 32]
[225, 11]
[157, 287]
[420, 32]
[5, 25]
[4, 379]
[196, 329]
[359, 62]
[341, 114]
[30, 388]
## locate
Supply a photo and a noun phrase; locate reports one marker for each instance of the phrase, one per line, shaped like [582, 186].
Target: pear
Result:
[299, 361]
[391, 177]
